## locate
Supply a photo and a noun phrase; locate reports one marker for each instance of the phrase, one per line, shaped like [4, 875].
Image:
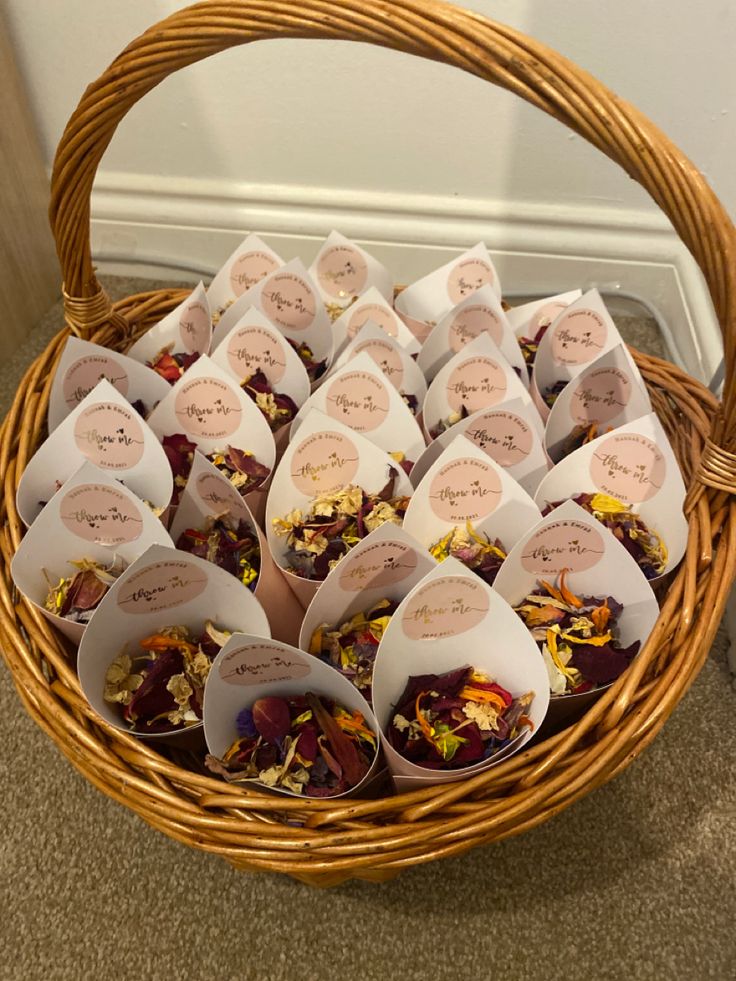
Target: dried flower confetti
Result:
[77, 597]
[171, 366]
[530, 345]
[160, 687]
[456, 719]
[549, 395]
[476, 551]
[451, 420]
[334, 523]
[643, 545]
[278, 409]
[351, 647]
[240, 467]
[582, 435]
[577, 635]
[307, 744]
[315, 369]
[231, 546]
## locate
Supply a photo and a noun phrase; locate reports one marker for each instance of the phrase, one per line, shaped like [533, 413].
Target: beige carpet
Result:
[637, 881]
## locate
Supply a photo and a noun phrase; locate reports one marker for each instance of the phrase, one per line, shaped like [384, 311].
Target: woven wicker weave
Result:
[327, 842]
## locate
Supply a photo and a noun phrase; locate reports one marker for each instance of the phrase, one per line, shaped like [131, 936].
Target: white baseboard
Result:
[146, 224]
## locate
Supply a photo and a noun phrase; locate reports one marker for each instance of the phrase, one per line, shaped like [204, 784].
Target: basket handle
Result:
[429, 29]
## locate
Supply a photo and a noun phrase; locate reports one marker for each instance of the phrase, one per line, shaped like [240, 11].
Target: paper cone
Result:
[425, 302]
[636, 465]
[324, 456]
[188, 329]
[105, 430]
[92, 517]
[372, 308]
[450, 619]
[82, 365]
[477, 377]
[480, 313]
[251, 262]
[465, 484]
[361, 396]
[606, 393]
[597, 565]
[249, 668]
[164, 587]
[342, 270]
[209, 493]
[510, 433]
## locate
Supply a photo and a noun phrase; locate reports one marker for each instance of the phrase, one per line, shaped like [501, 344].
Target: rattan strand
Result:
[374, 839]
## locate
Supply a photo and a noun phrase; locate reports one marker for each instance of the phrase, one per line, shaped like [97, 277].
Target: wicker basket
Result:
[319, 841]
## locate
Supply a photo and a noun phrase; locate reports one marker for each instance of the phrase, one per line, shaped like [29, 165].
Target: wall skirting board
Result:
[149, 225]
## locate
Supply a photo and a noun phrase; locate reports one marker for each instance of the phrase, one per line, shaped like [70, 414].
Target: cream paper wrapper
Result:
[292, 303]
[105, 430]
[607, 392]
[82, 365]
[251, 262]
[210, 408]
[425, 302]
[187, 330]
[209, 493]
[248, 668]
[450, 619]
[477, 377]
[254, 344]
[527, 319]
[324, 456]
[465, 484]
[371, 307]
[480, 313]
[361, 396]
[635, 464]
[385, 565]
[342, 270]
[580, 334]
[597, 565]
[92, 517]
[510, 433]
[163, 587]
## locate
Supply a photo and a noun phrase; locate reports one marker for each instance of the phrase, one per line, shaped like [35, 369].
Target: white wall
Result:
[290, 138]
[342, 116]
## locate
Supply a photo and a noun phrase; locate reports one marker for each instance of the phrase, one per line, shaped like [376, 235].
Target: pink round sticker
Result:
[250, 268]
[208, 407]
[110, 436]
[504, 436]
[195, 328]
[578, 337]
[381, 564]
[600, 395]
[324, 462]
[82, 376]
[289, 301]
[466, 277]
[381, 316]
[476, 384]
[445, 607]
[342, 271]
[386, 356]
[628, 466]
[259, 664]
[252, 349]
[464, 490]
[101, 514]
[359, 400]
[219, 495]
[561, 545]
[161, 586]
[473, 320]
